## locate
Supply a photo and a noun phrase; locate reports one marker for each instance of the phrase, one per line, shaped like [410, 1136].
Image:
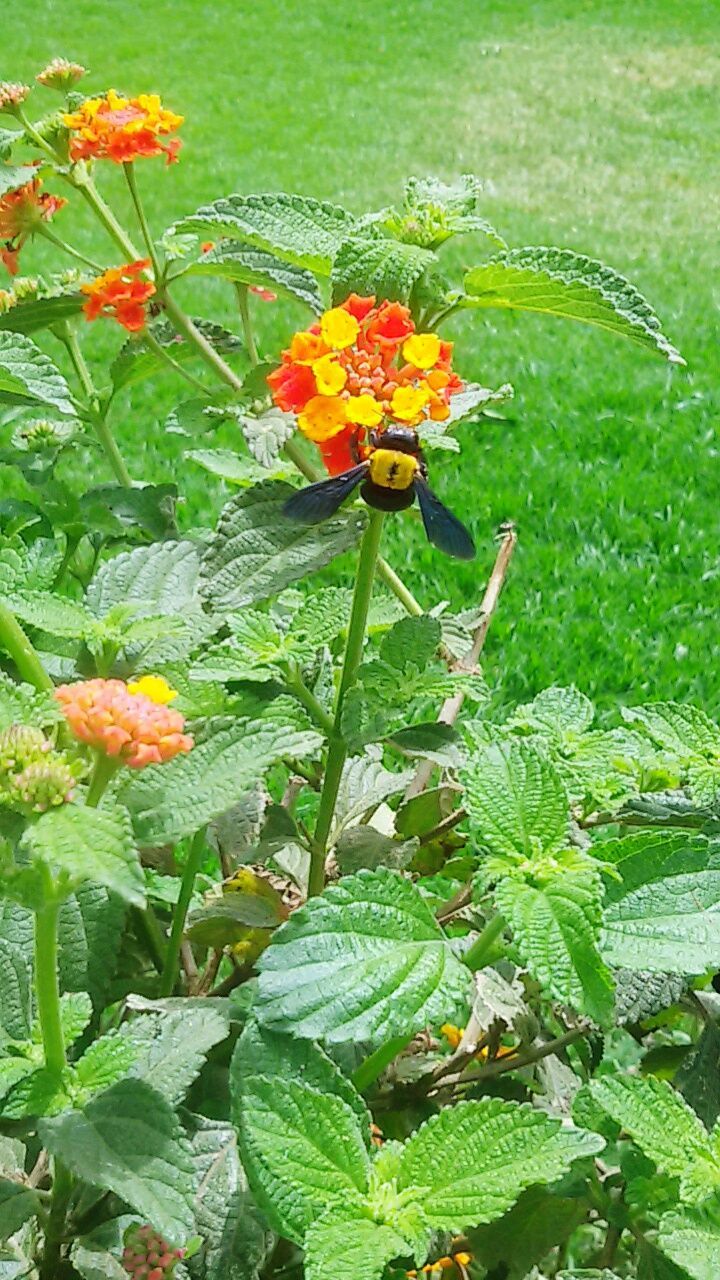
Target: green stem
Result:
[206, 351]
[398, 588]
[337, 750]
[105, 769]
[374, 1065]
[90, 193]
[244, 305]
[37, 138]
[129, 170]
[98, 418]
[477, 955]
[297, 686]
[163, 354]
[149, 934]
[16, 643]
[172, 955]
[44, 231]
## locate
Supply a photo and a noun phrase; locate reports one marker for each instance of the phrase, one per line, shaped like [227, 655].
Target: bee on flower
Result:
[22, 215]
[121, 294]
[361, 381]
[127, 725]
[122, 129]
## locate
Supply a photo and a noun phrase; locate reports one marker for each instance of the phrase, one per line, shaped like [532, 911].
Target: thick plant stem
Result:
[47, 993]
[299, 689]
[374, 1065]
[337, 750]
[129, 170]
[388, 575]
[478, 954]
[105, 769]
[47, 234]
[104, 213]
[172, 955]
[205, 350]
[14, 641]
[98, 418]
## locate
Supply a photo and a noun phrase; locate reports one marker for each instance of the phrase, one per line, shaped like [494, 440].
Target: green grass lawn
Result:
[595, 126]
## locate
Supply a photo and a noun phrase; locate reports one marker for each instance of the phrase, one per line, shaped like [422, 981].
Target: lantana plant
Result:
[311, 964]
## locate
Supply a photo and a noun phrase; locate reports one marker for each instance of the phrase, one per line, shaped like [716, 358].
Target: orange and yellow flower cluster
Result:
[135, 729]
[21, 213]
[121, 294]
[459, 1261]
[122, 129]
[362, 366]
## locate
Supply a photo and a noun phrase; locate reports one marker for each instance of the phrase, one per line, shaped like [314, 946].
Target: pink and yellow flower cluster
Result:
[362, 366]
[132, 727]
[122, 129]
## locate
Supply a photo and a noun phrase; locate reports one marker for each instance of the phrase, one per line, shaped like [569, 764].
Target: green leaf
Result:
[556, 927]
[411, 642]
[303, 1152]
[351, 1250]
[433, 741]
[470, 1162]
[554, 713]
[55, 614]
[698, 1077]
[90, 929]
[172, 800]
[28, 376]
[263, 270]
[562, 283]
[469, 404]
[129, 1141]
[640, 995]
[363, 846]
[663, 913]
[368, 263]
[434, 211]
[224, 919]
[29, 315]
[83, 844]
[653, 1265]
[18, 1203]
[13, 176]
[665, 1128]
[136, 361]
[516, 801]
[255, 552]
[8, 138]
[145, 509]
[15, 990]
[169, 1049]
[284, 1058]
[691, 737]
[266, 434]
[539, 1221]
[364, 961]
[296, 229]
[236, 468]
[691, 1237]
[236, 1240]
[163, 576]
[106, 1061]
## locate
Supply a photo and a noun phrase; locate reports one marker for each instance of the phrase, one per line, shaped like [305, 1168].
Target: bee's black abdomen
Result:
[384, 499]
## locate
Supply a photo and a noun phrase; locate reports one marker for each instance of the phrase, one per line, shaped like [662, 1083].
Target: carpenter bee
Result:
[392, 475]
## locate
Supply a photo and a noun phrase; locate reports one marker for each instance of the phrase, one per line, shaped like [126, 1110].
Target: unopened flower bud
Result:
[12, 95]
[60, 74]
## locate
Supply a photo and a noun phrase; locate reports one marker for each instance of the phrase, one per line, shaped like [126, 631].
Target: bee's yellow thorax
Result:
[391, 469]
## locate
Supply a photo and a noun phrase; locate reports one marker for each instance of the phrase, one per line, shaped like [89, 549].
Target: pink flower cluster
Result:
[129, 726]
[147, 1256]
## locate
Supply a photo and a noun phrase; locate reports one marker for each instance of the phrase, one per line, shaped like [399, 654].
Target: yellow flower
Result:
[322, 418]
[329, 375]
[408, 403]
[422, 350]
[156, 688]
[452, 1034]
[364, 410]
[338, 328]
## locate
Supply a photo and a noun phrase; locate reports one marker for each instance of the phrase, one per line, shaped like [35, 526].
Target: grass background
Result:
[595, 126]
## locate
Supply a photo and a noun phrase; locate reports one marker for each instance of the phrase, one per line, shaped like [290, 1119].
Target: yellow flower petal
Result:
[422, 350]
[338, 328]
[364, 410]
[408, 403]
[323, 417]
[330, 377]
[156, 688]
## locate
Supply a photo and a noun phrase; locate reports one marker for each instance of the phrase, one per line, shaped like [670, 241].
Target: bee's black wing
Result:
[443, 529]
[318, 501]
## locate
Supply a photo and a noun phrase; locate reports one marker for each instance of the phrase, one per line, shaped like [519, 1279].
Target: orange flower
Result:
[122, 129]
[360, 368]
[22, 212]
[121, 294]
[127, 726]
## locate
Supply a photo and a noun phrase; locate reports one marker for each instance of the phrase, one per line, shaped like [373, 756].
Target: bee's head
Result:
[402, 439]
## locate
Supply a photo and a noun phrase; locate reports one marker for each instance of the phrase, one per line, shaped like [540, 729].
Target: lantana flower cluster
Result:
[33, 776]
[129, 726]
[120, 293]
[22, 211]
[122, 129]
[147, 1255]
[363, 366]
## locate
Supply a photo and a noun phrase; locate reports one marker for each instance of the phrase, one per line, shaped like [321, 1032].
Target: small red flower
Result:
[292, 386]
[392, 324]
[121, 294]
